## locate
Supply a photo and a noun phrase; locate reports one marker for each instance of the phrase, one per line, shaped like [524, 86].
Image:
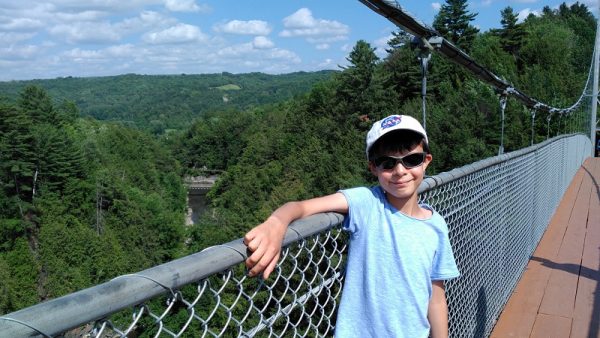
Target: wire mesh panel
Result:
[300, 301]
[496, 209]
[496, 216]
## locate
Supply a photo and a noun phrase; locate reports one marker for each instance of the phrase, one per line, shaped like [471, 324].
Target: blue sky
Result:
[57, 38]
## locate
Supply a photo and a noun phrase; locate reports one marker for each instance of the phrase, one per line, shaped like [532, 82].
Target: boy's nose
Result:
[399, 168]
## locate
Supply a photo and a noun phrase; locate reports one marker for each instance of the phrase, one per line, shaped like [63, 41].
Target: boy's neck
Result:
[408, 206]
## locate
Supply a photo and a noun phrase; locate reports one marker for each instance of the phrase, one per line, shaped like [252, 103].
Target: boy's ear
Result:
[428, 159]
[372, 168]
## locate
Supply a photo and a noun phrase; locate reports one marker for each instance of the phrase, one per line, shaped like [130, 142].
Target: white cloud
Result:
[10, 38]
[326, 63]
[185, 6]
[86, 32]
[146, 20]
[302, 18]
[283, 54]
[381, 45]
[326, 39]
[122, 51]
[252, 27]
[247, 52]
[261, 42]
[235, 51]
[20, 24]
[112, 6]
[318, 31]
[523, 14]
[78, 16]
[322, 46]
[525, 1]
[436, 6]
[77, 54]
[18, 52]
[180, 33]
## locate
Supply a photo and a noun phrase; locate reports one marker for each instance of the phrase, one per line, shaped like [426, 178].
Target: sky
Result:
[81, 38]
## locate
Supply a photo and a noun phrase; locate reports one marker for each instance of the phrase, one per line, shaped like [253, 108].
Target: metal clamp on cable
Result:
[503, 101]
[148, 278]
[25, 324]
[425, 47]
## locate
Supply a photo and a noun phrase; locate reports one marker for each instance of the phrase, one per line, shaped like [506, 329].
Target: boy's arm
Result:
[264, 240]
[438, 310]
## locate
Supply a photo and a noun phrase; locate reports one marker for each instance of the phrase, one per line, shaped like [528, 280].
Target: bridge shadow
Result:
[593, 180]
[595, 320]
[584, 272]
[480, 329]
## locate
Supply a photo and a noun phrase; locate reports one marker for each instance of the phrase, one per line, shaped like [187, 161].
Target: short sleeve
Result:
[358, 200]
[444, 265]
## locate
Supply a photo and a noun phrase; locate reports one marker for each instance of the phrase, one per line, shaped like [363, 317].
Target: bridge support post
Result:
[593, 122]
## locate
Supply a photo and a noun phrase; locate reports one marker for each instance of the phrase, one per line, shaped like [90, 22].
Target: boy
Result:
[399, 253]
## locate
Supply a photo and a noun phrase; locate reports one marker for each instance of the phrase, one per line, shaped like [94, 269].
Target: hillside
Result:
[157, 103]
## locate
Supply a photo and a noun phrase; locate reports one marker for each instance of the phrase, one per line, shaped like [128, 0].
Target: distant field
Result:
[229, 87]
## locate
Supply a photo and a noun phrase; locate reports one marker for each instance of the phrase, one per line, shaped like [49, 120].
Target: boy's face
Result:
[400, 183]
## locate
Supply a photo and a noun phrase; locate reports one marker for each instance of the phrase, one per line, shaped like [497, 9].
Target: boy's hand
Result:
[264, 241]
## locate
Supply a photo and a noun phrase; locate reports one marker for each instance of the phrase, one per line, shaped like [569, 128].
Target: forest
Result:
[164, 103]
[86, 196]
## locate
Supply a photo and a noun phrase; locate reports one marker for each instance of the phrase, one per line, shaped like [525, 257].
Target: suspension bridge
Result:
[524, 225]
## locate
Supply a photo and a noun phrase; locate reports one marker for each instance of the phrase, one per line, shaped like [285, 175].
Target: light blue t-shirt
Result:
[392, 260]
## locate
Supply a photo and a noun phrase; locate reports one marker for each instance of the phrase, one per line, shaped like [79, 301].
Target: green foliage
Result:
[81, 201]
[214, 141]
[19, 277]
[166, 102]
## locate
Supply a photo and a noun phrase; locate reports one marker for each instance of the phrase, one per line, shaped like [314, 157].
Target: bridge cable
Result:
[532, 125]
[503, 101]
[391, 10]
[424, 57]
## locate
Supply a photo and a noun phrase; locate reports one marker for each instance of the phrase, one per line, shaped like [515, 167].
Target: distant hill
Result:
[160, 102]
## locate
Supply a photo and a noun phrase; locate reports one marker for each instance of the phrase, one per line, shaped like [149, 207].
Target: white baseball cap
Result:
[391, 123]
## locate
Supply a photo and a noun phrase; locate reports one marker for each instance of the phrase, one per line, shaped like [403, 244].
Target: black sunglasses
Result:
[409, 161]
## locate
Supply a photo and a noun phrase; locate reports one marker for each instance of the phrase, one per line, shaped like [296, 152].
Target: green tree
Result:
[402, 67]
[360, 88]
[17, 155]
[453, 21]
[36, 103]
[512, 33]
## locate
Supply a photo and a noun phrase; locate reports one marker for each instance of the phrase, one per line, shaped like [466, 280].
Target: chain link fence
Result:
[497, 210]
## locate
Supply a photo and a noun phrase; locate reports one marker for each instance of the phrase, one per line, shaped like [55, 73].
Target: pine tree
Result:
[358, 75]
[453, 22]
[17, 154]
[359, 88]
[512, 33]
[36, 103]
[402, 67]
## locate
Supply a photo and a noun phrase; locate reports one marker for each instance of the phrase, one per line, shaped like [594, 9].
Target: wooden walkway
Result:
[558, 295]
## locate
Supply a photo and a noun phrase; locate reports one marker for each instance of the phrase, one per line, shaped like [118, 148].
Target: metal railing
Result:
[496, 210]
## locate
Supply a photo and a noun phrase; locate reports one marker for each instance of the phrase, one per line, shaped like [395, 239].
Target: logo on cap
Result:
[391, 121]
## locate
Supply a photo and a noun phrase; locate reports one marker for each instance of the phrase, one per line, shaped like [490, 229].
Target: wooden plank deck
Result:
[558, 295]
